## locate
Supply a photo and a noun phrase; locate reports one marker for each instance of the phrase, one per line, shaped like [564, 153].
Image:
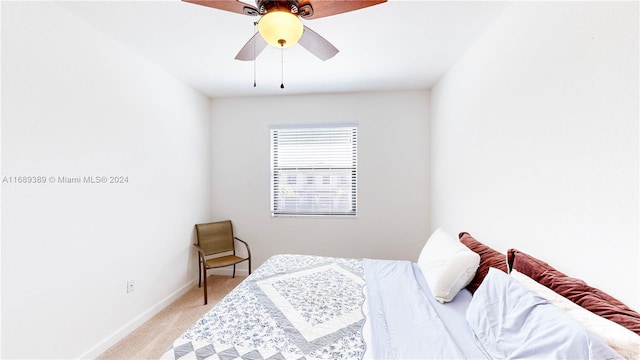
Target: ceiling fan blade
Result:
[252, 48]
[317, 45]
[227, 5]
[322, 8]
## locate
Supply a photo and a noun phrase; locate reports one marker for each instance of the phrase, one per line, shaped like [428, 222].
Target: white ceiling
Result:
[398, 45]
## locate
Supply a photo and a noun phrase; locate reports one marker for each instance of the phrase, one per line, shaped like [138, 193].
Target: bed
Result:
[462, 299]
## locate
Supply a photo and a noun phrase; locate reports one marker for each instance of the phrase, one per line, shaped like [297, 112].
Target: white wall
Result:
[393, 178]
[76, 103]
[535, 140]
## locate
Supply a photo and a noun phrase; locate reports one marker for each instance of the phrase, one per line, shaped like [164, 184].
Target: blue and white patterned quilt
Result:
[291, 307]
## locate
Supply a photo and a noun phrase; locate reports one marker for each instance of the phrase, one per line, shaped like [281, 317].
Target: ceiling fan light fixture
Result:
[276, 26]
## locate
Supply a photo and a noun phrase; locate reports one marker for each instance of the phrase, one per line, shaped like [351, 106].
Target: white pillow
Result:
[624, 341]
[447, 265]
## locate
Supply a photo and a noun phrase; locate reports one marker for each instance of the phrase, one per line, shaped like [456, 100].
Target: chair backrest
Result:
[215, 237]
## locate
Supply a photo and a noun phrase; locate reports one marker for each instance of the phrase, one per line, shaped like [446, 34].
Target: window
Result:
[313, 170]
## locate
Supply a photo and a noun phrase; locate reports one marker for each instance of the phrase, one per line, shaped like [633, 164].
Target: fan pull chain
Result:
[281, 42]
[255, 31]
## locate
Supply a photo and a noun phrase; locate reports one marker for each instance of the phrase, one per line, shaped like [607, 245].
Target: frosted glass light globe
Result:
[278, 26]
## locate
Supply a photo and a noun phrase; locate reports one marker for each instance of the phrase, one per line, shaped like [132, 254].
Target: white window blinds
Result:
[313, 170]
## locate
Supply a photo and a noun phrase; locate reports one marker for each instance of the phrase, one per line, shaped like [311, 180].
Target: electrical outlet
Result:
[130, 286]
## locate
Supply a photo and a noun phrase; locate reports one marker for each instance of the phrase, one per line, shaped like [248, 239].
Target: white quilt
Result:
[291, 307]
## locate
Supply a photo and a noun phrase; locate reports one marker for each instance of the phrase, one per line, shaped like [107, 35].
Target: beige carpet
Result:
[152, 338]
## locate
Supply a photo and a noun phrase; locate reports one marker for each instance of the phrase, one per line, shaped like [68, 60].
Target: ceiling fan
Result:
[279, 24]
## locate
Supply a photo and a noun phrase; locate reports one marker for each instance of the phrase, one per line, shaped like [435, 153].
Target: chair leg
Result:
[249, 266]
[199, 271]
[234, 270]
[204, 270]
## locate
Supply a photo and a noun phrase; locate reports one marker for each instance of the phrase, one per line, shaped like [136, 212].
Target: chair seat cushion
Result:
[224, 261]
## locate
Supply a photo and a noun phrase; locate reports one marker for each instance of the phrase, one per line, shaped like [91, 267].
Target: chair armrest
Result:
[245, 244]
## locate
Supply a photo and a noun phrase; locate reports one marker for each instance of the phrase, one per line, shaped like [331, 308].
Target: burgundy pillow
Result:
[488, 258]
[576, 290]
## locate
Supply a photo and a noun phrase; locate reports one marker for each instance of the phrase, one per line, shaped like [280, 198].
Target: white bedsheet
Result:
[403, 321]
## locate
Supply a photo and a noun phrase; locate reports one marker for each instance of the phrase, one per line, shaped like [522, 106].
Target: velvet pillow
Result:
[488, 258]
[576, 290]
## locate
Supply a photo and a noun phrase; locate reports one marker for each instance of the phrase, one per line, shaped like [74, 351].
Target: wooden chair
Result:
[216, 248]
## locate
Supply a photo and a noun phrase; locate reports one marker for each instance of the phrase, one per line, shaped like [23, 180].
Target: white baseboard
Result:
[121, 333]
